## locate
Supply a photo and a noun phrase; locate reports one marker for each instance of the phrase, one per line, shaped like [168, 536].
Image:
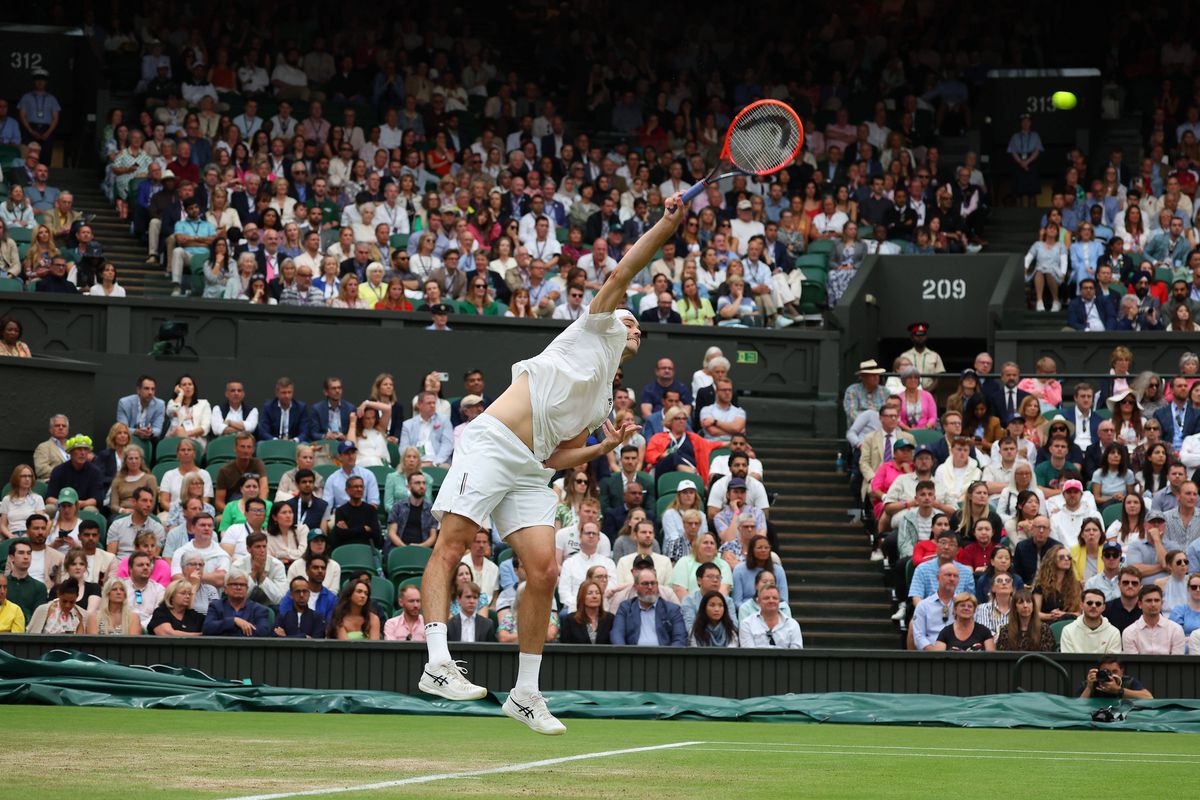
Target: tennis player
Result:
[503, 465]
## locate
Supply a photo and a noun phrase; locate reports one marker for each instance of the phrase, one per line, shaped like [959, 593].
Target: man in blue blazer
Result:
[236, 614]
[429, 432]
[330, 417]
[142, 412]
[305, 624]
[1178, 418]
[648, 620]
[284, 417]
[315, 567]
[1089, 313]
[307, 508]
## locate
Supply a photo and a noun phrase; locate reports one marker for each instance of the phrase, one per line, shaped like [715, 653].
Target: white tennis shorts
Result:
[495, 475]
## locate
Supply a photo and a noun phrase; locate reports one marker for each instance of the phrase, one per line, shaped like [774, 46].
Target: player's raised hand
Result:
[675, 209]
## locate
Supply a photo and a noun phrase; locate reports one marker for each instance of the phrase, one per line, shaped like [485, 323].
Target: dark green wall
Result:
[395, 666]
[258, 344]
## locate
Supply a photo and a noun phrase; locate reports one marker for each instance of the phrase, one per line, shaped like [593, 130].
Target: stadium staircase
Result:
[836, 592]
[139, 278]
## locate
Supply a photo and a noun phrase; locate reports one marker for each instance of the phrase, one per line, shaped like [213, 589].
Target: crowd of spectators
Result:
[324, 153]
[225, 517]
[1017, 508]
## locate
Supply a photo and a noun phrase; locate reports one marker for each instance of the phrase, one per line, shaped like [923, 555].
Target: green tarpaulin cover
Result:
[78, 679]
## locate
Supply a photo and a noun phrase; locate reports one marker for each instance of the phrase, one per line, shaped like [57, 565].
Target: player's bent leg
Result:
[442, 676]
[535, 547]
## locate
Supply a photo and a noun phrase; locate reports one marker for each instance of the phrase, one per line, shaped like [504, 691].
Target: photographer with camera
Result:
[1108, 680]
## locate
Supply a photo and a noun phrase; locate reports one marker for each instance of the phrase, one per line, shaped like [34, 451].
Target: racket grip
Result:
[694, 192]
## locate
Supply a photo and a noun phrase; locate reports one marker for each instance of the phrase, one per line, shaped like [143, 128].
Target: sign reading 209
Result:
[943, 289]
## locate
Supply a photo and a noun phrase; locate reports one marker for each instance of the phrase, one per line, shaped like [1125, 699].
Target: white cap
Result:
[622, 313]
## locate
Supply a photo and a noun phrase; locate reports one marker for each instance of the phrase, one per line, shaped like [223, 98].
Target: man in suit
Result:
[243, 201]
[284, 417]
[466, 625]
[307, 508]
[269, 257]
[359, 263]
[331, 416]
[832, 167]
[646, 620]
[429, 432]
[302, 624]
[1093, 457]
[612, 489]
[663, 313]
[315, 567]
[633, 497]
[1178, 418]
[142, 412]
[604, 220]
[878, 446]
[514, 203]
[1083, 419]
[1002, 395]
[553, 141]
[1086, 312]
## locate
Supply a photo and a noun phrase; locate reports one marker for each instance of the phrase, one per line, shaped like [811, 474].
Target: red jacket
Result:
[660, 441]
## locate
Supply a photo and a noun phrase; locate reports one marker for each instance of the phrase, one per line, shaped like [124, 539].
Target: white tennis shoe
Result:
[449, 681]
[530, 708]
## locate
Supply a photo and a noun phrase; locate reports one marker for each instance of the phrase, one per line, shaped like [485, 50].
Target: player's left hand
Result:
[614, 438]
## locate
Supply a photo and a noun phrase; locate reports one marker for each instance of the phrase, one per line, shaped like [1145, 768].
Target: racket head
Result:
[763, 138]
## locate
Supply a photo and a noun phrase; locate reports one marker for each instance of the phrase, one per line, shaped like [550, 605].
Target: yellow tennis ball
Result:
[1064, 101]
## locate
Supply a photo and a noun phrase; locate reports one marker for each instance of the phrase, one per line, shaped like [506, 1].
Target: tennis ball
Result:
[1064, 101]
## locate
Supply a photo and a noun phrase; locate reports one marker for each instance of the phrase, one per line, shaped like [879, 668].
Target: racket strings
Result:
[763, 140]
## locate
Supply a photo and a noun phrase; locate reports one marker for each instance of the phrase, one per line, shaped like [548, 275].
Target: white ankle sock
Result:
[435, 641]
[529, 666]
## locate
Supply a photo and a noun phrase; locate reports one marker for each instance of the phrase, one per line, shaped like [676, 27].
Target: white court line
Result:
[447, 776]
[965, 749]
[876, 754]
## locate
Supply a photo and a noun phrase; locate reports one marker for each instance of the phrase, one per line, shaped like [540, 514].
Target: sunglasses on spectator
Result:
[581, 481]
[1195, 587]
[1112, 555]
[1093, 603]
[1181, 562]
[1131, 583]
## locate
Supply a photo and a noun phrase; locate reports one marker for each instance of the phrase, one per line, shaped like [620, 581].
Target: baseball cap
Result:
[737, 483]
[1072, 484]
[439, 308]
[643, 562]
[346, 446]
[167, 175]
[920, 450]
[315, 532]
[68, 495]
[687, 485]
[39, 72]
[1156, 516]
[1111, 547]
[903, 443]
[969, 372]
[78, 440]
[470, 400]
[744, 205]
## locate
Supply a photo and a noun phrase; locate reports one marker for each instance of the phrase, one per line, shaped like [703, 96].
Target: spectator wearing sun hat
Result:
[866, 395]
[78, 473]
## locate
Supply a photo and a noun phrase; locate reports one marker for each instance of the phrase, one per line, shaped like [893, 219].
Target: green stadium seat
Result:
[5, 544]
[813, 261]
[717, 453]
[1111, 514]
[20, 235]
[1164, 274]
[213, 468]
[926, 437]
[220, 449]
[435, 476]
[393, 453]
[407, 560]
[162, 468]
[1057, 628]
[39, 489]
[669, 483]
[812, 295]
[356, 556]
[399, 241]
[275, 473]
[325, 470]
[381, 475]
[404, 584]
[384, 593]
[164, 449]
[504, 555]
[560, 233]
[277, 451]
[820, 246]
[11, 285]
[662, 503]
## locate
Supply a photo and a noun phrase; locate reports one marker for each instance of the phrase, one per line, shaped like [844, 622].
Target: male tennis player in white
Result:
[503, 465]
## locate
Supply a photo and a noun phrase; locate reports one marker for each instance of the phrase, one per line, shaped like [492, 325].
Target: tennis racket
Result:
[763, 138]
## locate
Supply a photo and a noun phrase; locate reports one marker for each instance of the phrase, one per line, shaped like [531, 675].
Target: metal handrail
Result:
[1064, 676]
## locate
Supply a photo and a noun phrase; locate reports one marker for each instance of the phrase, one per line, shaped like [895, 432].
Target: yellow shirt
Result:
[12, 618]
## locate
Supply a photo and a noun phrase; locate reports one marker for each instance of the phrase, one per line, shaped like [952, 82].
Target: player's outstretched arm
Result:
[612, 293]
